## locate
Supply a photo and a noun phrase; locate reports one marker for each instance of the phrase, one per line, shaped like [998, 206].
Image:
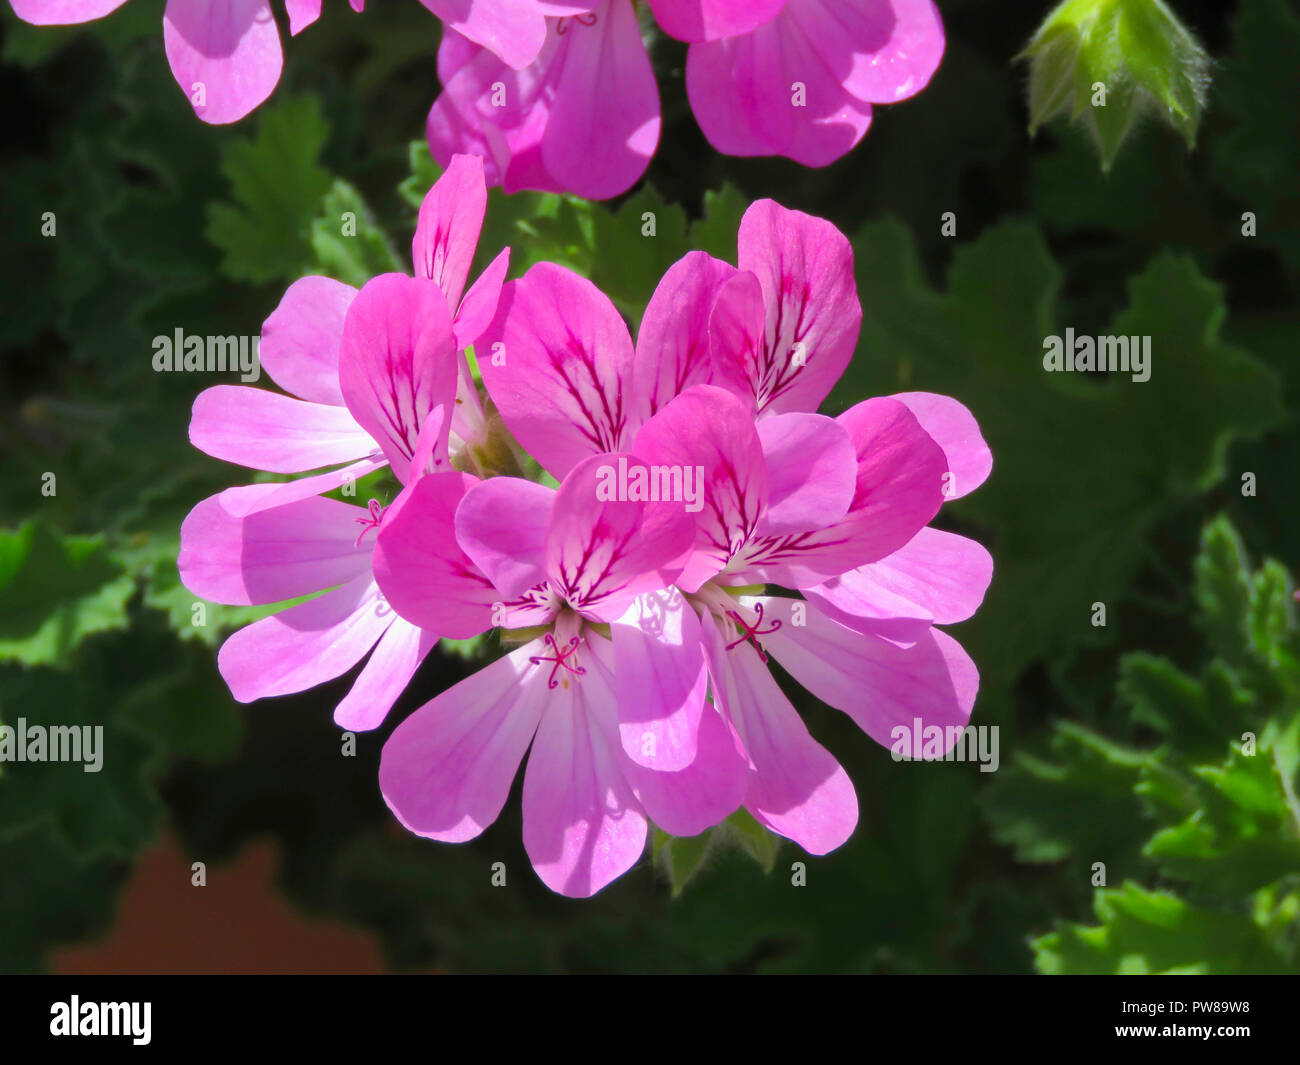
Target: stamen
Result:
[588, 18]
[751, 632]
[372, 522]
[560, 658]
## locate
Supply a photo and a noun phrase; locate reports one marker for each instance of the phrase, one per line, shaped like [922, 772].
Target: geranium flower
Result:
[795, 500]
[224, 54]
[577, 110]
[727, 370]
[377, 375]
[584, 582]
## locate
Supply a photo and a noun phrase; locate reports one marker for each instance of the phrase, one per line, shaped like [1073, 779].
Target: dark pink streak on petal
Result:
[397, 362]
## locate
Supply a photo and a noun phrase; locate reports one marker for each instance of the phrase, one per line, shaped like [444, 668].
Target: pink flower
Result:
[797, 500]
[576, 109]
[726, 372]
[373, 378]
[607, 687]
[224, 54]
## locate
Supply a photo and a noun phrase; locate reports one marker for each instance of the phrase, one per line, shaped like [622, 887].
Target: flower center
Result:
[372, 521]
[751, 632]
[561, 659]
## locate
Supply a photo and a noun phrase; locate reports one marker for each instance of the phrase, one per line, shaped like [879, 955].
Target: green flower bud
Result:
[1108, 62]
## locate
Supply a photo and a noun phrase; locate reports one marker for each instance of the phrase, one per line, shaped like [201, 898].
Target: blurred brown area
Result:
[238, 923]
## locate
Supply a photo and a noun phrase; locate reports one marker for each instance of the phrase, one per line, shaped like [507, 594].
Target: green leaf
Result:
[1196, 713]
[1226, 829]
[54, 592]
[634, 246]
[1145, 932]
[1113, 454]
[349, 244]
[276, 186]
[1244, 833]
[424, 172]
[1223, 590]
[716, 231]
[1079, 804]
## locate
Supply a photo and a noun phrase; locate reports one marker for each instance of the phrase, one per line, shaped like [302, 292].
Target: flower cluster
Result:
[561, 97]
[224, 54]
[695, 516]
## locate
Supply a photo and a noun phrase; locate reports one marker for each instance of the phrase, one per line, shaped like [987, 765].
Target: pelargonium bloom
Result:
[723, 380]
[585, 586]
[576, 109]
[224, 54]
[373, 378]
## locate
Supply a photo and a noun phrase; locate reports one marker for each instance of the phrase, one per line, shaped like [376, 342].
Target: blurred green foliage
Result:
[1121, 743]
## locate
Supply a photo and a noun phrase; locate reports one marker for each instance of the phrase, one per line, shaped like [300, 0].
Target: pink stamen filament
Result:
[370, 522]
[587, 19]
[560, 658]
[751, 632]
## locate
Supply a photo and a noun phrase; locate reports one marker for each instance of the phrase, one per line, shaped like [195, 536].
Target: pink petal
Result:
[275, 494]
[244, 547]
[740, 91]
[804, 266]
[513, 30]
[891, 48]
[955, 430]
[267, 431]
[479, 306]
[63, 12]
[899, 490]
[227, 49]
[709, 20]
[422, 570]
[384, 677]
[432, 452]
[469, 424]
[796, 788]
[446, 770]
[708, 431]
[811, 472]
[601, 553]
[302, 13]
[778, 91]
[451, 218]
[555, 362]
[300, 340]
[489, 110]
[455, 52]
[737, 340]
[706, 792]
[583, 825]
[936, 576]
[397, 362]
[306, 645]
[604, 125]
[876, 682]
[661, 681]
[672, 347]
[501, 525]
